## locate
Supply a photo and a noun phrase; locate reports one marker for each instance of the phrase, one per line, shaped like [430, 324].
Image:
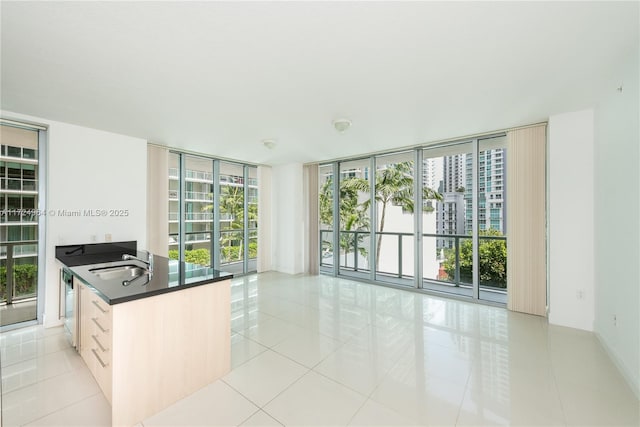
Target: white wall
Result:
[617, 219]
[89, 169]
[287, 218]
[571, 240]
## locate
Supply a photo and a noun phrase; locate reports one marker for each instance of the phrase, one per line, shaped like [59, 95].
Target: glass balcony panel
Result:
[25, 273]
[29, 185]
[354, 250]
[14, 184]
[231, 247]
[326, 250]
[253, 244]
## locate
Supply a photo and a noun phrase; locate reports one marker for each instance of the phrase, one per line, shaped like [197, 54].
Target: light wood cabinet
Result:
[149, 353]
[95, 338]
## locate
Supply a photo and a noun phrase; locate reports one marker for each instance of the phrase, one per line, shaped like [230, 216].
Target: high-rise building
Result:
[19, 191]
[450, 217]
[491, 191]
[454, 172]
[432, 172]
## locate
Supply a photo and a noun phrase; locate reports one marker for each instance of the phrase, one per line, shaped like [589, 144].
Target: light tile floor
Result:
[327, 351]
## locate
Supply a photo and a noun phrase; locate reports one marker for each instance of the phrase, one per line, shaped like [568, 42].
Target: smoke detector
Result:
[269, 143]
[341, 125]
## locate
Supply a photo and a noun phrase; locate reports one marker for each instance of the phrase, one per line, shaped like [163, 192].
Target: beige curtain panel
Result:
[311, 178]
[157, 206]
[526, 220]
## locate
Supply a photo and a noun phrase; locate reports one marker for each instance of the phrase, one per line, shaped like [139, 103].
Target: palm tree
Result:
[353, 214]
[232, 204]
[394, 184]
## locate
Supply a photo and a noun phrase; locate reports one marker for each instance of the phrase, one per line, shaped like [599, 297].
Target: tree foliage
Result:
[25, 278]
[492, 257]
[393, 185]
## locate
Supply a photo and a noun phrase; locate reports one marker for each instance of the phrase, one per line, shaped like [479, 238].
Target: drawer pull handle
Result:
[95, 353]
[94, 302]
[99, 345]
[98, 325]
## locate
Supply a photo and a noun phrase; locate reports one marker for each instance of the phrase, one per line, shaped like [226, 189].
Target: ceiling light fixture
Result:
[269, 143]
[341, 125]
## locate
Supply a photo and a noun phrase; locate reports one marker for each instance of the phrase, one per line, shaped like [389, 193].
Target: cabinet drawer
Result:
[100, 324]
[102, 346]
[99, 305]
[102, 371]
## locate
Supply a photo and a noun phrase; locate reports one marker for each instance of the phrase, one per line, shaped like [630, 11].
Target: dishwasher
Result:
[70, 305]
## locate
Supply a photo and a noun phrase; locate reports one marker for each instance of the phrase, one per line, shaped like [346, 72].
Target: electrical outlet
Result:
[93, 238]
[615, 320]
[580, 294]
[107, 237]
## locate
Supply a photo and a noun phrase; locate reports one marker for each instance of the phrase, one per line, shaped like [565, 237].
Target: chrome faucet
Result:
[148, 276]
[148, 262]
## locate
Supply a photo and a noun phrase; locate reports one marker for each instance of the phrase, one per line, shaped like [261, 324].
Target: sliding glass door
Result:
[394, 214]
[325, 215]
[354, 237]
[492, 218]
[432, 218]
[213, 213]
[447, 230]
[19, 224]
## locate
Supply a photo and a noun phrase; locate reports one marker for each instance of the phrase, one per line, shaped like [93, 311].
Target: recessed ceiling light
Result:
[269, 143]
[341, 125]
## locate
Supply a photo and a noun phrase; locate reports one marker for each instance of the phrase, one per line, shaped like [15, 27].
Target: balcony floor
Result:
[17, 312]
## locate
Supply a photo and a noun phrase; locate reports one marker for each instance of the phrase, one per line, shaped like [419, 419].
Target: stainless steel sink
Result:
[119, 272]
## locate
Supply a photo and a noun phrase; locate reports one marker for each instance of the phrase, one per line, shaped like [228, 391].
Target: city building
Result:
[450, 218]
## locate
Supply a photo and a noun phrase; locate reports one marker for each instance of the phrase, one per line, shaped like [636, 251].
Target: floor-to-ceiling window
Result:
[325, 216]
[394, 215]
[447, 230]
[492, 218]
[213, 212]
[354, 237]
[436, 213]
[19, 222]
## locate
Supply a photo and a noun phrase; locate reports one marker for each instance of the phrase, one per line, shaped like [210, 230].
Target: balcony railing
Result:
[208, 177]
[18, 184]
[453, 265]
[192, 195]
[21, 276]
[19, 152]
[192, 216]
[231, 244]
[198, 196]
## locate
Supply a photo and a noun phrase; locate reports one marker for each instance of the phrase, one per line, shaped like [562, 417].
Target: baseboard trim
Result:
[635, 387]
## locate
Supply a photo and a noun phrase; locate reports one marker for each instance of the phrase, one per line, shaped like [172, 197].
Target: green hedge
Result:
[25, 277]
[227, 254]
[492, 257]
[194, 256]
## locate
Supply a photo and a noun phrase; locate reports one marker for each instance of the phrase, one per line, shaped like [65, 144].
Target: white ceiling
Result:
[218, 78]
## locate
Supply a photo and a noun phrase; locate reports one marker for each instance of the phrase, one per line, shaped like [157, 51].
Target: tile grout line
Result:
[62, 408]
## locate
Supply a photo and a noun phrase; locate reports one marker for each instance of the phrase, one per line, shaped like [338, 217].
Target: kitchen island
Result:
[152, 339]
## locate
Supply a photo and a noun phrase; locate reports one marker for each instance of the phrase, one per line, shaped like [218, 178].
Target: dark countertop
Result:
[94, 253]
[168, 276]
